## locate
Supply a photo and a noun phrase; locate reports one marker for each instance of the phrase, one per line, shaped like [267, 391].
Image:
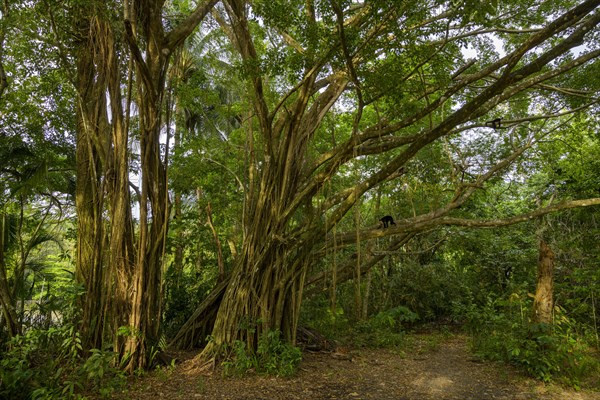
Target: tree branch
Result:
[474, 107]
[236, 11]
[140, 62]
[495, 223]
[176, 37]
[462, 193]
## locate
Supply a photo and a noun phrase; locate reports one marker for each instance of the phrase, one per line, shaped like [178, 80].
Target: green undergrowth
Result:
[273, 357]
[502, 331]
[47, 364]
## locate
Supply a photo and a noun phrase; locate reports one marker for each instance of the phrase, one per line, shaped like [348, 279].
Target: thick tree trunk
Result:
[543, 303]
[151, 49]
[264, 289]
[130, 288]
[265, 286]
[263, 294]
[102, 169]
[89, 270]
[92, 145]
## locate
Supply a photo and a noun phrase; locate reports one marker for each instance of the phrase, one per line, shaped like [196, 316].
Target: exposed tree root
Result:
[194, 333]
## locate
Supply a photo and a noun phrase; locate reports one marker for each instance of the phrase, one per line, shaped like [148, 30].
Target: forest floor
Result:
[430, 366]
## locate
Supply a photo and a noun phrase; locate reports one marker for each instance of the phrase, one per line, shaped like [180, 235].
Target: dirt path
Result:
[433, 368]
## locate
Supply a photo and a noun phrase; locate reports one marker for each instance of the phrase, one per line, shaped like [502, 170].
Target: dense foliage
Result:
[212, 175]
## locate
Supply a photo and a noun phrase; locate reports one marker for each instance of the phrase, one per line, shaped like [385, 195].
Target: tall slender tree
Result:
[151, 47]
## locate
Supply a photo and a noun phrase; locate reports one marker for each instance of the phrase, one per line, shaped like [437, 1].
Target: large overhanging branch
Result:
[560, 24]
[406, 229]
[538, 80]
[510, 123]
[410, 225]
[462, 193]
[570, 19]
[345, 200]
[496, 223]
[573, 40]
[492, 95]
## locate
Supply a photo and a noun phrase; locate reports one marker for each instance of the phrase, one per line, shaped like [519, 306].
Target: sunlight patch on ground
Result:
[435, 385]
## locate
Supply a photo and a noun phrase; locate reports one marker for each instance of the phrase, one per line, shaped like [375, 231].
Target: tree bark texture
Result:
[105, 245]
[543, 303]
[264, 289]
[93, 138]
[121, 242]
[145, 313]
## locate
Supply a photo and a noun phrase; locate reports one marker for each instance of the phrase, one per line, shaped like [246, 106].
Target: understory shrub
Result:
[46, 364]
[428, 290]
[36, 362]
[502, 331]
[386, 328]
[273, 356]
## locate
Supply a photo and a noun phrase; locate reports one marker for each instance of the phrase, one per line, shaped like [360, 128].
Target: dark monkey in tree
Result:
[387, 221]
[495, 123]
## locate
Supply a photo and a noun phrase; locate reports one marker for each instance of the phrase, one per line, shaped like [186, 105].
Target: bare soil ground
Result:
[431, 367]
